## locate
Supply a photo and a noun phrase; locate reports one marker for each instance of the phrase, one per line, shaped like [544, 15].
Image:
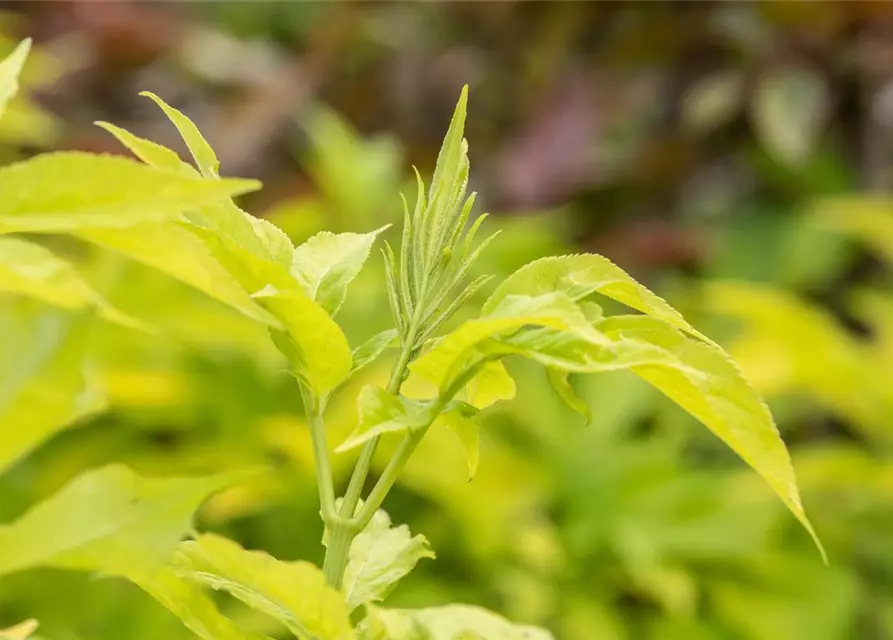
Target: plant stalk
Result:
[324, 479]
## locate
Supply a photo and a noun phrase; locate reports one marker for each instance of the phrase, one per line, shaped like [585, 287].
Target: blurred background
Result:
[735, 157]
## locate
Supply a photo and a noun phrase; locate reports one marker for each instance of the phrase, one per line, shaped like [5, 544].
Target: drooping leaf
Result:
[712, 389]
[70, 190]
[581, 275]
[188, 602]
[461, 421]
[450, 622]
[10, 68]
[45, 382]
[327, 263]
[30, 270]
[382, 412]
[295, 593]
[559, 380]
[109, 520]
[314, 345]
[21, 631]
[379, 557]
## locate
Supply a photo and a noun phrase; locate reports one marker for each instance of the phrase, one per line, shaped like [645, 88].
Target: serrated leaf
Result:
[382, 412]
[294, 593]
[313, 343]
[789, 109]
[21, 631]
[187, 601]
[328, 262]
[201, 151]
[449, 622]
[173, 248]
[152, 153]
[32, 271]
[712, 389]
[558, 378]
[369, 351]
[45, 384]
[10, 68]
[110, 520]
[69, 190]
[581, 275]
[379, 557]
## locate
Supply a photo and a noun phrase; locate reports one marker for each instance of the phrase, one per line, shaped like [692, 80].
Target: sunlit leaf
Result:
[581, 275]
[45, 383]
[71, 190]
[108, 520]
[152, 153]
[21, 631]
[559, 381]
[294, 593]
[450, 622]
[10, 68]
[327, 263]
[491, 384]
[382, 412]
[713, 390]
[369, 351]
[201, 151]
[379, 557]
[461, 422]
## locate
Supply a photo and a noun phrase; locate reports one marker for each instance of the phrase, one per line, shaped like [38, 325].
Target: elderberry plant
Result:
[180, 219]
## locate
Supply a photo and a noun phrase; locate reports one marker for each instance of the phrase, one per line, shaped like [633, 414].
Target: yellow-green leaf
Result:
[581, 275]
[491, 384]
[110, 520]
[558, 378]
[379, 557]
[294, 593]
[10, 68]
[461, 422]
[450, 622]
[152, 153]
[45, 383]
[204, 155]
[69, 190]
[711, 388]
[21, 631]
[382, 412]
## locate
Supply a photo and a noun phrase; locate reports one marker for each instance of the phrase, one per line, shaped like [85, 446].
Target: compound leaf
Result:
[382, 412]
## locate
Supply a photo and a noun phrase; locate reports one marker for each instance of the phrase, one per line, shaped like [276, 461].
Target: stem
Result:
[338, 550]
[320, 455]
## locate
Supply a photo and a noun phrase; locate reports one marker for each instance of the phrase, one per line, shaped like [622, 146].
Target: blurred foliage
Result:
[729, 154]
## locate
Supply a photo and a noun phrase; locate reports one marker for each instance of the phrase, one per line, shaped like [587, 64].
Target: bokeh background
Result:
[735, 157]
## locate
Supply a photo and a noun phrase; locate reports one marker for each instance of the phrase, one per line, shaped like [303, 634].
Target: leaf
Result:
[713, 101]
[461, 421]
[491, 384]
[713, 390]
[327, 263]
[314, 344]
[294, 593]
[45, 384]
[559, 381]
[382, 412]
[581, 275]
[10, 68]
[201, 151]
[369, 351]
[21, 631]
[152, 153]
[30, 270]
[186, 600]
[789, 109]
[70, 190]
[379, 557]
[108, 520]
[449, 622]
[174, 249]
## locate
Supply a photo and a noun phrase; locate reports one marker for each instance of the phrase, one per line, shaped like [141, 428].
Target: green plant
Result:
[181, 221]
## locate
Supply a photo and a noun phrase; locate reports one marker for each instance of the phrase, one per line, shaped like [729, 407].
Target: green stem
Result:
[324, 478]
[341, 535]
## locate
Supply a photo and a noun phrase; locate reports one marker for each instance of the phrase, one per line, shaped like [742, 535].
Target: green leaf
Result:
[201, 151]
[559, 381]
[449, 622]
[187, 601]
[69, 190]
[369, 351]
[382, 412]
[461, 421]
[327, 263]
[313, 343]
[45, 384]
[21, 631]
[30, 270]
[581, 275]
[10, 68]
[173, 248]
[108, 520]
[711, 388]
[294, 593]
[491, 384]
[461, 349]
[152, 153]
[379, 557]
